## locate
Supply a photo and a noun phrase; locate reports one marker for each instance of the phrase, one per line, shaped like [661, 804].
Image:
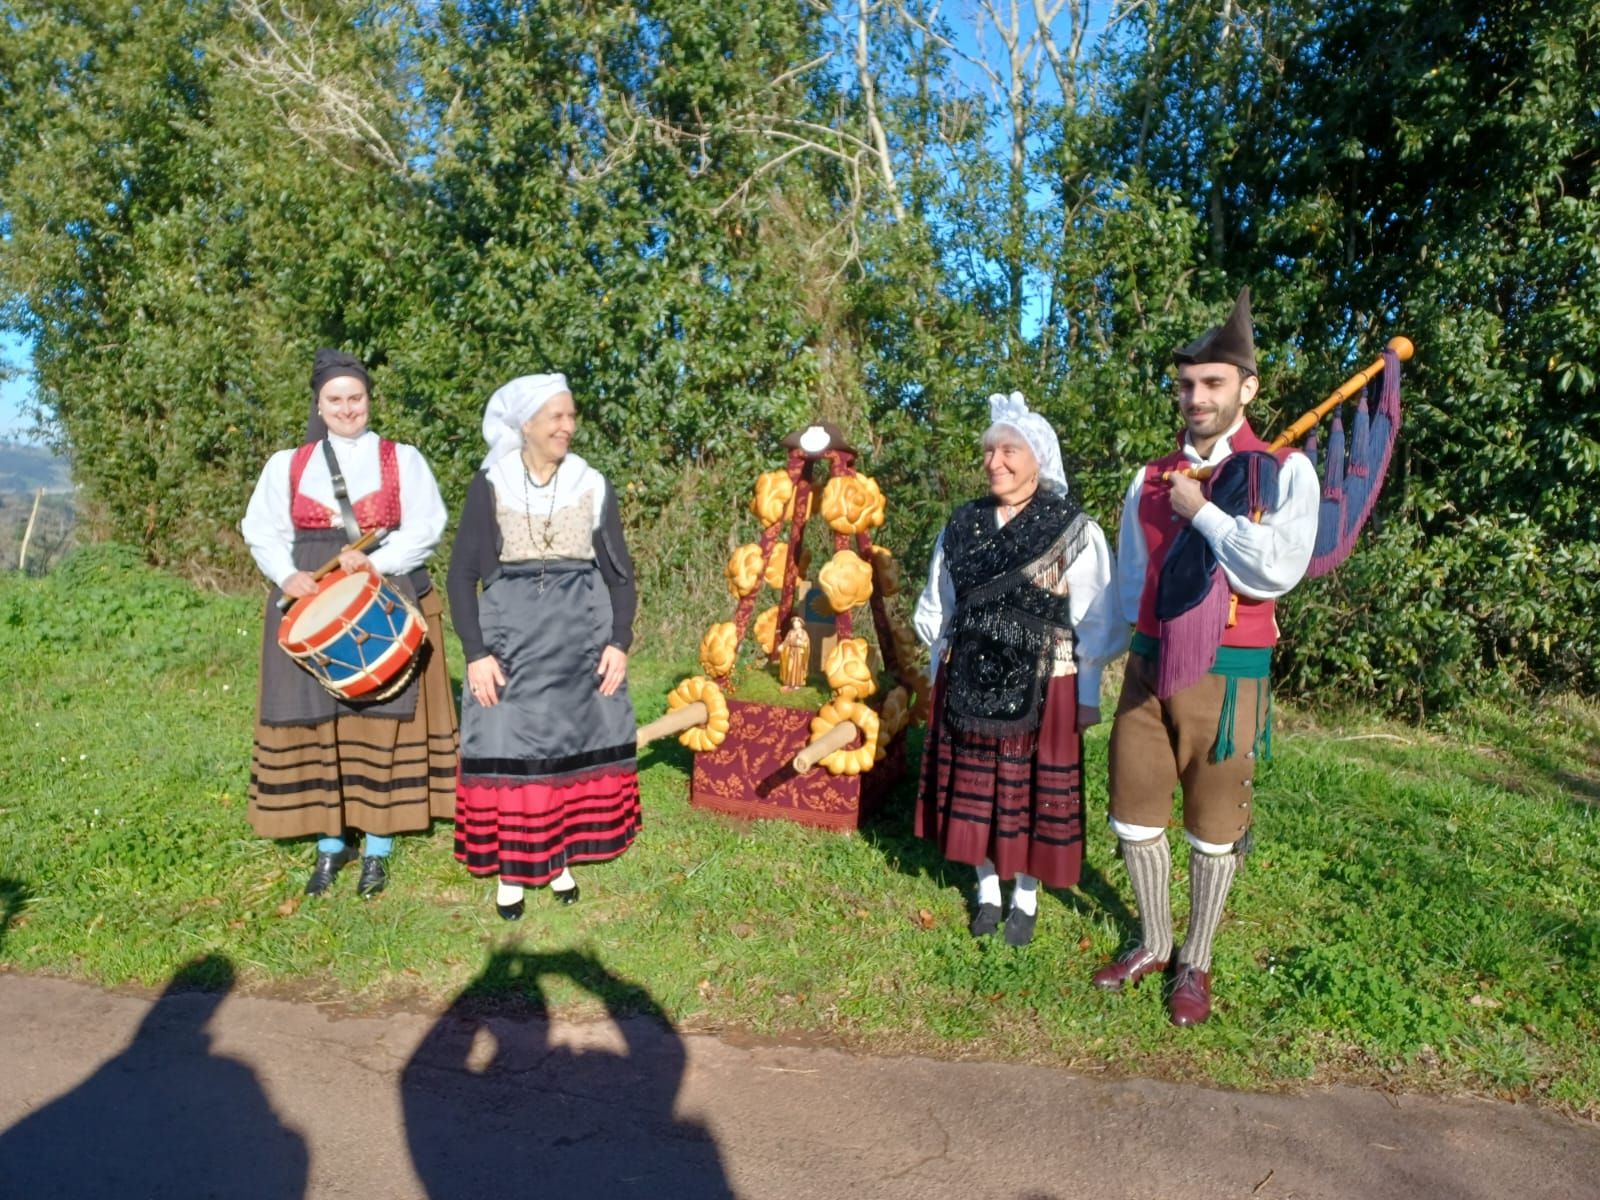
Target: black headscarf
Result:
[331, 364]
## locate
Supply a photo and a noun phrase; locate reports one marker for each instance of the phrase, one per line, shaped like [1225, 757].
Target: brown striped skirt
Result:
[1017, 801]
[360, 772]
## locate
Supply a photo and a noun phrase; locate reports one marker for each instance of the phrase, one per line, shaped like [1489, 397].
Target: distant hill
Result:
[24, 468]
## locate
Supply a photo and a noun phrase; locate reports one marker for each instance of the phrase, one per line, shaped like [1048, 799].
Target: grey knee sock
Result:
[1150, 870]
[1210, 877]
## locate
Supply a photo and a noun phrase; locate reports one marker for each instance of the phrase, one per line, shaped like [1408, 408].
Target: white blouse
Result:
[268, 528]
[1262, 559]
[1101, 634]
[574, 478]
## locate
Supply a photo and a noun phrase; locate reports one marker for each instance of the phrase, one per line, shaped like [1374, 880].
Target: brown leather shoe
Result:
[1190, 1002]
[1129, 969]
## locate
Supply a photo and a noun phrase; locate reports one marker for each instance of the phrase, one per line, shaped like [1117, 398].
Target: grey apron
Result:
[290, 695]
[551, 719]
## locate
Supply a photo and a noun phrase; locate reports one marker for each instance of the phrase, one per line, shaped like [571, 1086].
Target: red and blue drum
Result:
[357, 635]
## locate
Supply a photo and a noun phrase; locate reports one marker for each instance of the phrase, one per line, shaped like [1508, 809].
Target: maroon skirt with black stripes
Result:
[1017, 801]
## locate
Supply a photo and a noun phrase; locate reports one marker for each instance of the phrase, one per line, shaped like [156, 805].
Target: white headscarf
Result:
[511, 407]
[1012, 413]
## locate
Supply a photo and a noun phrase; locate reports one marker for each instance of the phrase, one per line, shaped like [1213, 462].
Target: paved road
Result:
[117, 1095]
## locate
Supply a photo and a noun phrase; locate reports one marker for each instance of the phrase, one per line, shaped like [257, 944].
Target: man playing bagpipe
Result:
[1199, 568]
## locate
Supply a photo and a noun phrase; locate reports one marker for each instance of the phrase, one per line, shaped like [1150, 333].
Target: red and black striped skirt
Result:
[529, 832]
[1017, 800]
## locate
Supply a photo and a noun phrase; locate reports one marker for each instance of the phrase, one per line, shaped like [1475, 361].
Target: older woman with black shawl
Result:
[325, 766]
[1020, 618]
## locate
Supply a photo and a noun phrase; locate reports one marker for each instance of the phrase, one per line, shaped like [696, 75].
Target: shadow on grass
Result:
[1542, 763]
[1519, 757]
[667, 752]
[12, 899]
[498, 1101]
[166, 1117]
[889, 831]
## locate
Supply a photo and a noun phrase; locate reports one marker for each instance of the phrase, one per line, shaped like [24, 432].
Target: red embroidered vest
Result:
[379, 509]
[1254, 622]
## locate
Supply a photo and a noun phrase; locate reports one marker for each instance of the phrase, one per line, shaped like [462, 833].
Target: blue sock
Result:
[377, 846]
[330, 845]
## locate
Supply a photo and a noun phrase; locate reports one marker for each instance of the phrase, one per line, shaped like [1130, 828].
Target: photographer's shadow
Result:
[495, 1107]
[167, 1117]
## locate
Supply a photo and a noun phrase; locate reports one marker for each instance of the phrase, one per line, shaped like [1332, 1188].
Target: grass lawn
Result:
[1420, 911]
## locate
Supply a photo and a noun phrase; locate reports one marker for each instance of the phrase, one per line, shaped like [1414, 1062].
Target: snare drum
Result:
[358, 635]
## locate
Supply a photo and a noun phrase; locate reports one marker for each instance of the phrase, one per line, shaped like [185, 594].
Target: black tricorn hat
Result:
[1230, 342]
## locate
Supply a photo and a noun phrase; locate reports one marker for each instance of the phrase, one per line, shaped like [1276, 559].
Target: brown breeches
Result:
[1157, 744]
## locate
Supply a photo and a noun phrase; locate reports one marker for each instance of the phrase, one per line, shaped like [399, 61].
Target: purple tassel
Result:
[1189, 641]
[1372, 446]
[1330, 517]
[1357, 478]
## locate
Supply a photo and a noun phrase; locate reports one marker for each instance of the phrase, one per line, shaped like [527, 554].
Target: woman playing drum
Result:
[1020, 617]
[321, 765]
[547, 728]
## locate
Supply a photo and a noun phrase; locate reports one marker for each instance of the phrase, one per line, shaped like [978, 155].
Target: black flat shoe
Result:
[511, 912]
[1019, 927]
[570, 896]
[327, 867]
[374, 877]
[986, 920]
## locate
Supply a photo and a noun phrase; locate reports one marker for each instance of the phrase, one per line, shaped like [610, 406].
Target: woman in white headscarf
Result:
[1020, 618]
[542, 594]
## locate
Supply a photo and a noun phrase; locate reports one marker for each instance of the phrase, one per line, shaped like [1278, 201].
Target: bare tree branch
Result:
[321, 110]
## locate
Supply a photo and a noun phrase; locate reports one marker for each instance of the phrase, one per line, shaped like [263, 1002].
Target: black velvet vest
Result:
[1003, 636]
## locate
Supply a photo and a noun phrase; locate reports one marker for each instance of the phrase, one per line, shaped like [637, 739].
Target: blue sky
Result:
[14, 392]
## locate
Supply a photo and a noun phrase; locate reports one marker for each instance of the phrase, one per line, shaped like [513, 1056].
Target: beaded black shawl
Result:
[1003, 636]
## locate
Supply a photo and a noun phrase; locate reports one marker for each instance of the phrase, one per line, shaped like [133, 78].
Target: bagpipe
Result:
[1193, 599]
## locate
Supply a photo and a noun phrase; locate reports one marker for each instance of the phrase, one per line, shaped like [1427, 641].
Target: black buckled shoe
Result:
[374, 876]
[511, 912]
[985, 920]
[327, 867]
[1019, 926]
[570, 896]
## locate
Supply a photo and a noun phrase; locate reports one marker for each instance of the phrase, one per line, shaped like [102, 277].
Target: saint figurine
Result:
[794, 655]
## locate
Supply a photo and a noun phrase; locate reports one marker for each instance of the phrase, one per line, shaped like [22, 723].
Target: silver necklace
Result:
[548, 539]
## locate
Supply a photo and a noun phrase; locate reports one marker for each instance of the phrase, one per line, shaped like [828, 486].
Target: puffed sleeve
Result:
[422, 517]
[616, 568]
[473, 558]
[935, 608]
[1133, 556]
[1264, 559]
[1100, 632]
[267, 526]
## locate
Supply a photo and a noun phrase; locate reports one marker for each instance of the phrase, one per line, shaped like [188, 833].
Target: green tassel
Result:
[1230, 702]
[1264, 726]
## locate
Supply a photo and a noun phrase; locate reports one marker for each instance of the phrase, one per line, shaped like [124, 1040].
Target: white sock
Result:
[508, 894]
[563, 882]
[988, 884]
[1025, 896]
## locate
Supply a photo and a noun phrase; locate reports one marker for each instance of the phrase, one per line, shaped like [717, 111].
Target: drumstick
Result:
[371, 537]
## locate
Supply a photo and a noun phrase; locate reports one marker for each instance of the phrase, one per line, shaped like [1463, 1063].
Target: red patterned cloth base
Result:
[1015, 800]
[528, 833]
[750, 775]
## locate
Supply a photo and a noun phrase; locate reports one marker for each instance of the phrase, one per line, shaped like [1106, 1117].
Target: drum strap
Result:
[352, 527]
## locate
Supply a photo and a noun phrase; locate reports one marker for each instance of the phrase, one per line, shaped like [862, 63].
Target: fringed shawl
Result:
[1006, 625]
